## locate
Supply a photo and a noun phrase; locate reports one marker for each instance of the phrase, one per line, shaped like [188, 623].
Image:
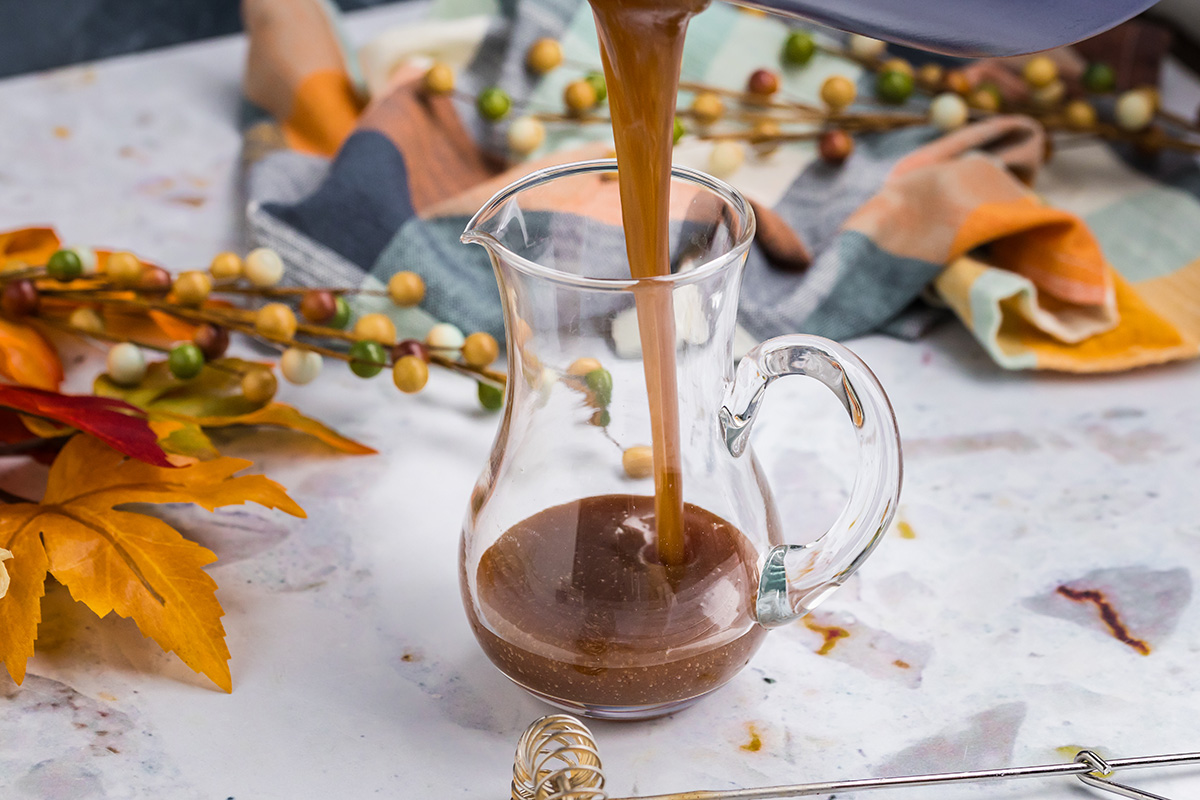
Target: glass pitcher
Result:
[564, 578]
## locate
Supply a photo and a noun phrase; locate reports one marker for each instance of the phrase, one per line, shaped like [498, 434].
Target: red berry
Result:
[154, 279]
[318, 306]
[763, 82]
[20, 298]
[835, 146]
[212, 341]
[410, 347]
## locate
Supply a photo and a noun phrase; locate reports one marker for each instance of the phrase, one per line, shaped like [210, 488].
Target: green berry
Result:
[1099, 78]
[185, 361]
[368, 357]
[893, 86]
[601, 383]
[490, 397]
[596, 79]
[494, 103]
[64, 265]
[678, 132]
[798, 48]
[341, 314]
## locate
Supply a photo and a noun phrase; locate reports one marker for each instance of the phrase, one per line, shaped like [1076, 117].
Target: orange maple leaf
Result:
[122, 561]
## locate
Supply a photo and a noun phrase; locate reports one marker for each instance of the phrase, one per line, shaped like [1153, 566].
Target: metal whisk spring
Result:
[557, 760]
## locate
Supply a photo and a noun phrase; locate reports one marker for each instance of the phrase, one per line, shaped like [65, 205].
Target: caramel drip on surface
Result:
[641, 44]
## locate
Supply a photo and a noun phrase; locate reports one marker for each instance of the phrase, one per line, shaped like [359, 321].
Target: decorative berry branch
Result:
[759, 116]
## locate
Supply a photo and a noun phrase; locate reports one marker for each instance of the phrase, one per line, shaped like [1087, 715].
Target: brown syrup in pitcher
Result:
[575, 605]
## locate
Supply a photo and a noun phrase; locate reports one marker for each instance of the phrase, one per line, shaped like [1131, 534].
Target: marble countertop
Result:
[971, 638]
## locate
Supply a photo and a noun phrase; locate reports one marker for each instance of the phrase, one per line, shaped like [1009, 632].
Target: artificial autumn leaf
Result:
[4, 556]
[27, 357]
[28, 245]
[214, 399]
[184, 442]
[113, 421]
[114, 560]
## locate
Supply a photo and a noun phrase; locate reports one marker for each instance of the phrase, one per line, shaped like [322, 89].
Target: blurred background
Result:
[41, 34]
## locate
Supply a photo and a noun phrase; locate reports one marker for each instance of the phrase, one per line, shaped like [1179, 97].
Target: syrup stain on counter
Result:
[831, 634]
[755, 742]
[905, 530]
[1135, 606]
[1107, 613]
[841, 637]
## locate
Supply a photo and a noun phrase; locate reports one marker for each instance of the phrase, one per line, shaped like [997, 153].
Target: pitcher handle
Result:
[795, 578]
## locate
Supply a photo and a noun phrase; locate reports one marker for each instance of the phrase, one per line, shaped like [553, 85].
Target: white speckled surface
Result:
[355, 673]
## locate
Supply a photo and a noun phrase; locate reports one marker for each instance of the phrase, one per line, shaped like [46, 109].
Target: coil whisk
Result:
[556, 759]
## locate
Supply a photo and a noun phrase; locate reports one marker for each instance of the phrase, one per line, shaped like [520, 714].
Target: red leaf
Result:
[116, 423]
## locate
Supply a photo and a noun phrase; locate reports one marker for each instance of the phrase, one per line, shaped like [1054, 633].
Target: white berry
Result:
[866, 47]
[444, 336]
[1135, 110]
[948, 111]
[126, 365]
[725, 158]
[263, 267]
[300, 366]
[87, 257]
[525, 135]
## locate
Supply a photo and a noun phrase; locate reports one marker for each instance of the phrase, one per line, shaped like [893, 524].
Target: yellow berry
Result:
[582, 366]
[638, 462]
[838, 91]
[580, 97]
[1080, 115]
[898, 65]
[275, 321]
[931, 75]
[406, 289]
[192, 288]
[985, 98]
[259, 385]
[86, 320]
[480, 349]
[375, 328]
[765, 137]
[1049, 96]
[123, 269]
[439, 79]
[1040, 71]
[707, 107]
[543, 56]
[226, 267]
[410, 374]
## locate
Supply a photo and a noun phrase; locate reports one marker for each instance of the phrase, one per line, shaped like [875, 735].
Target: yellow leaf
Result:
[21, 606]
[122, 561]
[183, 442]
[284, 416]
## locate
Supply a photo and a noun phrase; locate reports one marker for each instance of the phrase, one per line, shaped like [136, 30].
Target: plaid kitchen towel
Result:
[1099, 272]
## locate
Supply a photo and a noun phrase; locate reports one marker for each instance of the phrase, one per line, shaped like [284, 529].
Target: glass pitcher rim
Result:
[473, 235]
